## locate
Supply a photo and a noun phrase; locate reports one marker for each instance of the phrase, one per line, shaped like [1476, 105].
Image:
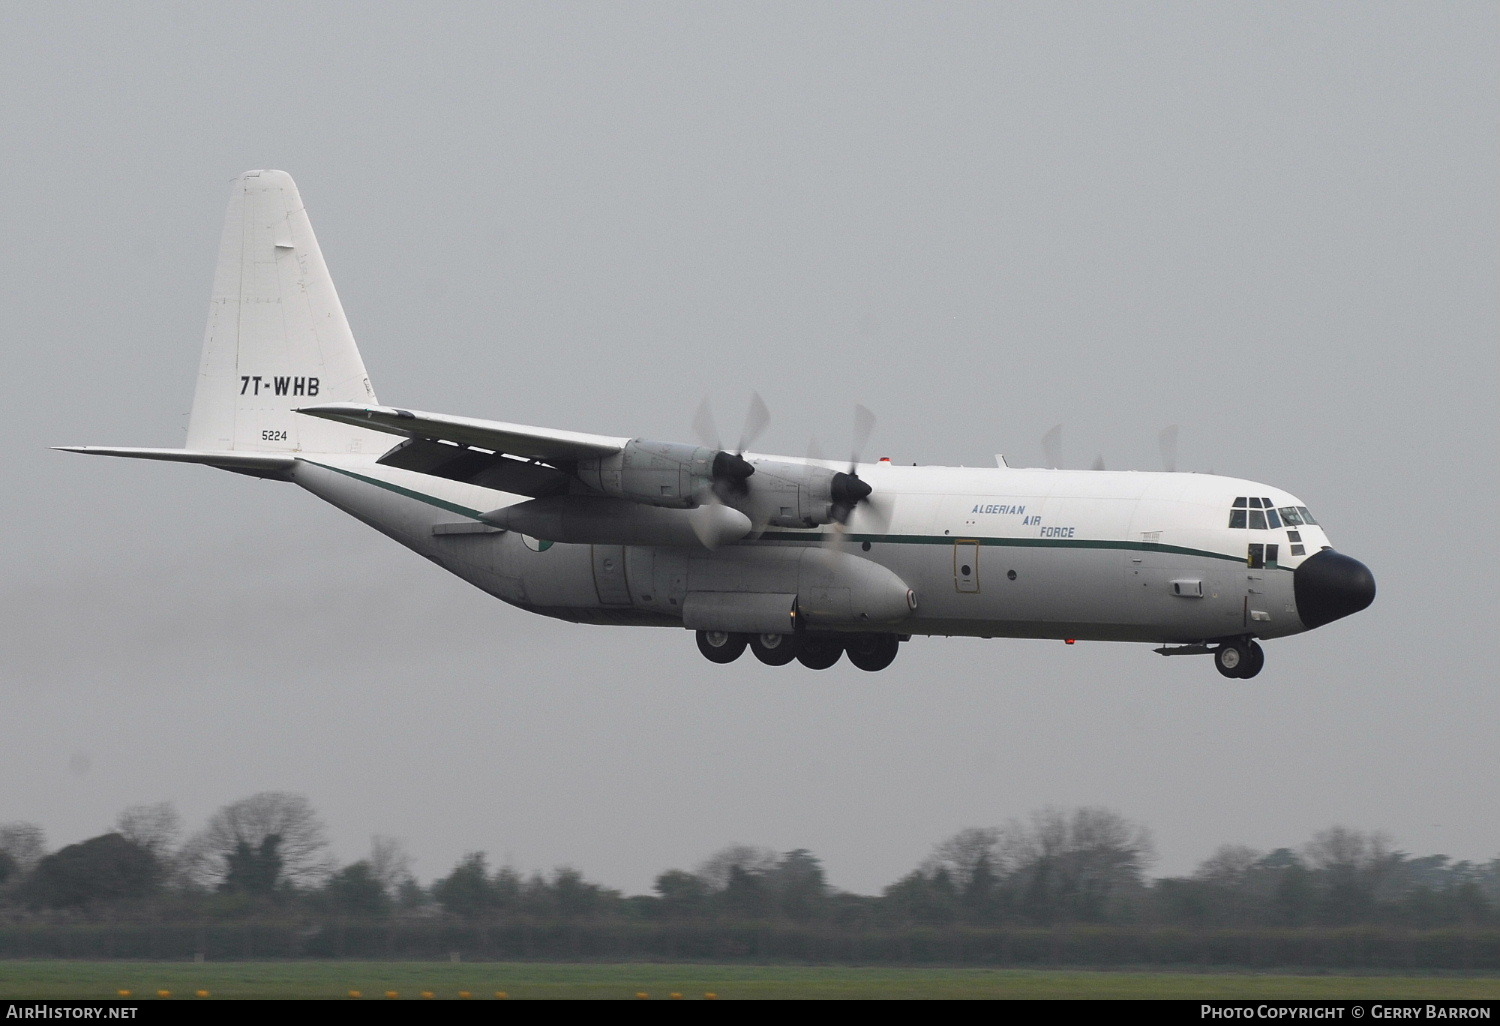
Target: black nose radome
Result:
[1329, 586]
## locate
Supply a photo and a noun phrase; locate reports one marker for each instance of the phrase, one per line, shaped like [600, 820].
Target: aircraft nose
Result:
[1331, 585]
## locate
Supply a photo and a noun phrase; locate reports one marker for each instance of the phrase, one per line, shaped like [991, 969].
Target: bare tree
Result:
[1075, 866]
[24, 843]
[275, 823]
[1339, 848]
[965, 852]
[156, 827]
[1352, 867]
[721, 866]
[390, 863]
[1230, 866]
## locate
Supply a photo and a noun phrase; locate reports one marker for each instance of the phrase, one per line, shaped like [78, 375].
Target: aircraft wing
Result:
[512, 439]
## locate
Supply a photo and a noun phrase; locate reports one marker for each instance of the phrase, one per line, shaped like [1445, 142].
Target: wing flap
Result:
[513, 439]
[471, 466]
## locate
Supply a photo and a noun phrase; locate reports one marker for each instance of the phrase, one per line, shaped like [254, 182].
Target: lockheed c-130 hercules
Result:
[794, 558]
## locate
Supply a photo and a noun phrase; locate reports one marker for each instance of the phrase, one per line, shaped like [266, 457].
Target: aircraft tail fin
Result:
[276, 336]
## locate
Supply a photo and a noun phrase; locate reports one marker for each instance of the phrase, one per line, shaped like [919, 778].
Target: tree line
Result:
[266, 858]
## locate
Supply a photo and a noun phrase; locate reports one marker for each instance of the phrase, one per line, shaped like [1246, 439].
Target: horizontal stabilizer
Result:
[256, 464]
[513, 439]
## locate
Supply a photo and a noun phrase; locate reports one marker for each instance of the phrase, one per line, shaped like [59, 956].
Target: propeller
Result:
[1052, 447]
[1052, 450]
[851, 493]
[1167, 441]
[731, 471]
[848, 489]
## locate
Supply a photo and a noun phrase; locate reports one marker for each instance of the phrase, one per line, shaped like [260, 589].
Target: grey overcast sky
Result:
[1272, 224]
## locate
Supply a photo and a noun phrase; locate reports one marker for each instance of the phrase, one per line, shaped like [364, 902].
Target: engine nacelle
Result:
[670, 474]
[801, 494]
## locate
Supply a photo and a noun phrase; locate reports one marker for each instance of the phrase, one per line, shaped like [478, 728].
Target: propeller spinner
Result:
[731, 471]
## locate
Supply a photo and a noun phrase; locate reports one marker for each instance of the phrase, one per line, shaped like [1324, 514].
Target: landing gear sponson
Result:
[815, 651]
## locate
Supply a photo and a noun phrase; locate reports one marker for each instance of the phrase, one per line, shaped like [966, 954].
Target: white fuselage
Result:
[1094, 555]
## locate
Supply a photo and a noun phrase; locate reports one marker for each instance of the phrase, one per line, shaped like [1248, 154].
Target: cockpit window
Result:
[1258, 513]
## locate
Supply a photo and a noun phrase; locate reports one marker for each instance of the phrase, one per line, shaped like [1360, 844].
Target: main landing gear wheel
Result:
[721, 646]
[1256, 662]
[872, 651]
[819, 653]
[1240, 660]
[774, 649]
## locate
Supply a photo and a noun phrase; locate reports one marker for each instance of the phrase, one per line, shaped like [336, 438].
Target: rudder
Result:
[277, 337]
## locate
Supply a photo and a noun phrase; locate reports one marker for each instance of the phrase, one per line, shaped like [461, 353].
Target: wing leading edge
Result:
[513, 439]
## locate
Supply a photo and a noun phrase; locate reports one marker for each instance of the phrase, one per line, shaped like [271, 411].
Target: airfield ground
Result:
[525, 980]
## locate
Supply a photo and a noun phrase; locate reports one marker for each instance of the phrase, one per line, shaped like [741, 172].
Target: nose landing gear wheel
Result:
[819, 653]
[872, 651]
[721, 646]
[774, 649]
[1239, 660]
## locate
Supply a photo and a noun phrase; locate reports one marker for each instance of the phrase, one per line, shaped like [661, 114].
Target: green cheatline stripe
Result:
[1025, 543]
[431, 500]
[809, 538]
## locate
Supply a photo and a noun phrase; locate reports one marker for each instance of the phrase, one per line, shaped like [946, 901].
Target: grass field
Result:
[526, 980]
